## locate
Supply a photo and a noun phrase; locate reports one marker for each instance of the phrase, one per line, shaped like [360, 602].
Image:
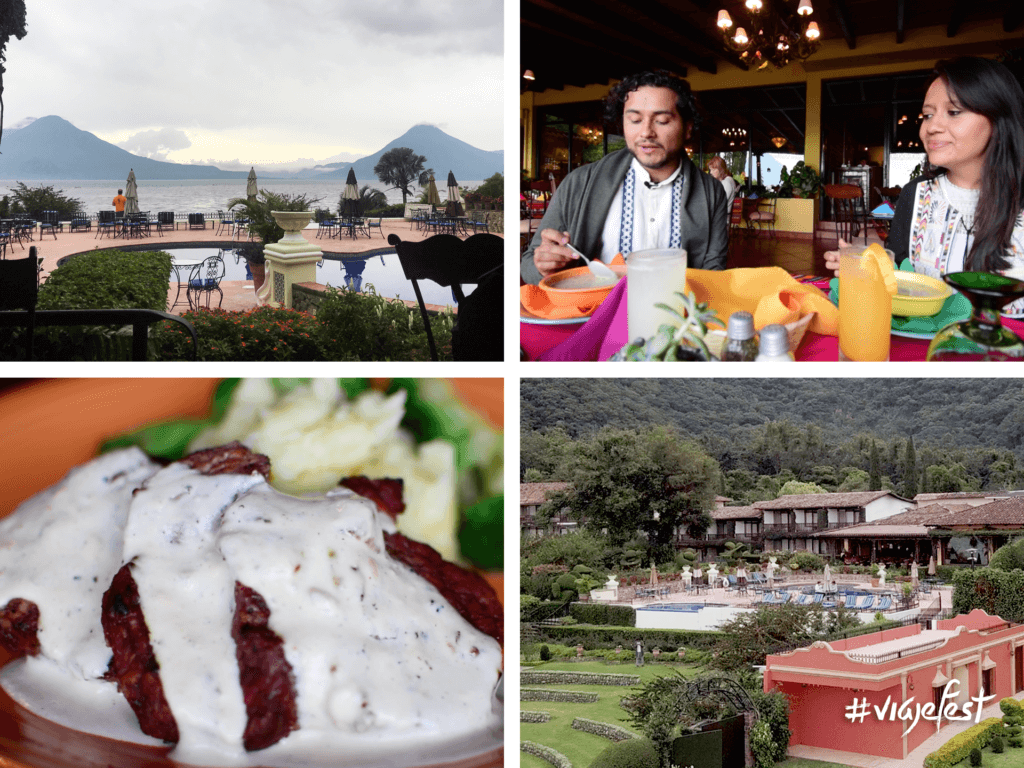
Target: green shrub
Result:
[959, 747]
[806, 561]
[762, 745]
[1011, 708]
[595, 613]
[1016, 742]
[35, 200]
[668, 640]
[107, 279]
[396, 211]
[634, 753]
[260, 334]
[975, 757]
[773, 707]
[564, 588]
[996, 744]
[367, 326]
[258, 211]
[999, 593]
[545, 653]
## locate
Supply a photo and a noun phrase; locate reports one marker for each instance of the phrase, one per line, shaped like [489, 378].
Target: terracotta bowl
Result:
[586, 297]
[51, 426]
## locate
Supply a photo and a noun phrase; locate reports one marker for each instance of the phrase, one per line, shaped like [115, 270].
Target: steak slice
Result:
[385, 493]
[268, 685]
[19, 623]
[134, 666]
[467, 591]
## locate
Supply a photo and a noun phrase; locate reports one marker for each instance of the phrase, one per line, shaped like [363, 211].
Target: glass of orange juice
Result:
[865, 308]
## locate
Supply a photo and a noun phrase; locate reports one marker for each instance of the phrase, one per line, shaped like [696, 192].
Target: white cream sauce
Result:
[383, 665]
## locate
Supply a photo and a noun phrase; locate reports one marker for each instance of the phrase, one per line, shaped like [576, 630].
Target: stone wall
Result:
[577, 678]
[604, 730]
[544, 694]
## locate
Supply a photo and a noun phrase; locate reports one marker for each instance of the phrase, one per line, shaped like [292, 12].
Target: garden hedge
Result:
[548, 754]
[543, 694]
[998, 593]
[595, 613]
[553, 677]
[634, 753]
[959, 747]
[604, 730]
[669, 640]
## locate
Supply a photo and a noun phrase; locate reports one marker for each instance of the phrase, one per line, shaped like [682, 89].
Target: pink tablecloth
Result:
[605, 333]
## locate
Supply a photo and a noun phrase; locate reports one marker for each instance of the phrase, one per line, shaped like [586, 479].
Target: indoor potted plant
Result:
[802, 181]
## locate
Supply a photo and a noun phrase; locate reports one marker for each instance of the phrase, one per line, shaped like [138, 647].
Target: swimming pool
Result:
[682, 607]
[380, 269]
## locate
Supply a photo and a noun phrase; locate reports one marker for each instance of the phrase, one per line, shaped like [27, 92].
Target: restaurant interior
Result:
[815, 105]
[846, 102]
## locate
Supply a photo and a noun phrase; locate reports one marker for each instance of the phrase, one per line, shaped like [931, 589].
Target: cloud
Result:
[24, 123]
[156, 143]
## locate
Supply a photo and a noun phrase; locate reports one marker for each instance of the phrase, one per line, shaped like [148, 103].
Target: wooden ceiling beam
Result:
[901, 16]
[957, 15]
[842, 14]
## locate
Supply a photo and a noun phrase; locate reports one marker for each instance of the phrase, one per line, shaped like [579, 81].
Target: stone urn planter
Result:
[656, 652]
[259, 274]
[579, 650]
[292, 222]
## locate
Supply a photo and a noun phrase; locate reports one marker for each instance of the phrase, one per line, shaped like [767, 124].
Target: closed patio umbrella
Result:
[350, 195]
[454, 206]
[432, 197]
[250, 186]
[131, 188]
[828, 578]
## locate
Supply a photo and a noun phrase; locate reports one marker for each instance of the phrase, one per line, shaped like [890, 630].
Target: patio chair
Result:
[884, 603]
[817, 598]
[804, 599]
[196, 221]
[49, 221]
[165, 220]
[449, 261]
[851, 602]
[106, 224]
[205, 279]
[372, 225]
[767, 598]
[225, 221]
[19, 289]
[80, 222]
[866, 603]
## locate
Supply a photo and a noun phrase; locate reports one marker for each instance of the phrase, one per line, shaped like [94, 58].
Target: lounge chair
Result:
[165, 220]
[818, 598]
[804, 599]
[884, 603]
[767, 598]
[851, 602]
[784, 597]
[866, 603]
[196, 221]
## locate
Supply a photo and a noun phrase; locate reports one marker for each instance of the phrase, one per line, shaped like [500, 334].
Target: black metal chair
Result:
[80, 222]
[372, 225]
[227, 221]
[165, 220]
[450, 261]
[196, 221]
[49, 221]
[205, 279]
[106, 224]
[19, 289]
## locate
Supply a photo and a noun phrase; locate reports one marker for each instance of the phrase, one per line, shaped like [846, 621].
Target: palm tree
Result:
[425, 177]
[400, 168]
[369, 199]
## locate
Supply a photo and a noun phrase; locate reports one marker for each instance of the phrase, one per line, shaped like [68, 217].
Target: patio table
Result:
[562, 341]
[178, 265]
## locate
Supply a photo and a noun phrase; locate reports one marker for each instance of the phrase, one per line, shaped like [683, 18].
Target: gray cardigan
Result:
[580, 207]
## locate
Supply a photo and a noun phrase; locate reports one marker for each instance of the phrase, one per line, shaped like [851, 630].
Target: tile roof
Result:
[537, 493]
[1000, 512]
[927, 497]
[819, 500]
[875, 531]
[736, 513]
[931, 514]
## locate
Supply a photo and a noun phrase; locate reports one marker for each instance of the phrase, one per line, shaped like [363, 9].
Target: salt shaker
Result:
[774, 345]
[740, 345]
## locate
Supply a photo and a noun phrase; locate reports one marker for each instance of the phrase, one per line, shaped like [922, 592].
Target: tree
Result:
[424, 178]
[12, 22]
[854, 480]
[1009, 556]
[369, 199]
[796, 488]
[910, 470]
[875, 471]
[400, 168]
[35, 200]
[492, 187]
[624, 481]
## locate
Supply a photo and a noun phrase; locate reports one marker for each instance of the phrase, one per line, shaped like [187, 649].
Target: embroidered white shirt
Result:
[652, 214]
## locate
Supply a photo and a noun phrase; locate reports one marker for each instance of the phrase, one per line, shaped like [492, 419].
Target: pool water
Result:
[675, 607]
[381, 270]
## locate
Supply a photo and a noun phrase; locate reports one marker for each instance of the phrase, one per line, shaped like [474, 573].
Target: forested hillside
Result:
[966, 433]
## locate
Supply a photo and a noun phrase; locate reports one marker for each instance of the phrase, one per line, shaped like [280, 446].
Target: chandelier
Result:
[771, 33]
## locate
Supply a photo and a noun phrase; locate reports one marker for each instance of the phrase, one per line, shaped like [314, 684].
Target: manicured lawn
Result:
[581, 748]
[530, 761]
[1012, 757]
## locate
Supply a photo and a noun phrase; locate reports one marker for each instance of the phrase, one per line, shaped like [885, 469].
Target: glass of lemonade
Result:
[865, 308]
[653, 277]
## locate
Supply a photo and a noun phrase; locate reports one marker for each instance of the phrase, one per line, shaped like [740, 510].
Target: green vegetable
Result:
[482, 537]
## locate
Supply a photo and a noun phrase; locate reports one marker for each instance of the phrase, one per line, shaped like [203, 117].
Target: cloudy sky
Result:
[242, 82]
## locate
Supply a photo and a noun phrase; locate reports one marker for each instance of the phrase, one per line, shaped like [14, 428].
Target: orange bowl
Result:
[585, 296]
[54, 425]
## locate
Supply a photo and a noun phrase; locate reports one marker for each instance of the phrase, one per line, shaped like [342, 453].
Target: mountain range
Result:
[53, 148]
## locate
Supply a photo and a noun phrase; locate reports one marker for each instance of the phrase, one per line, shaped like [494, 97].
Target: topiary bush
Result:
[975, 757]
[996, 744]
[1016, 742]
[633, 753]
[959, 747]
[545, 653]
[596, 613]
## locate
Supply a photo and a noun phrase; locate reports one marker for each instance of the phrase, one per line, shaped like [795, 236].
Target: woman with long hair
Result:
[964, 212]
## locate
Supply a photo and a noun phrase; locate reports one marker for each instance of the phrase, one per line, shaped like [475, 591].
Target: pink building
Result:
[889, 669]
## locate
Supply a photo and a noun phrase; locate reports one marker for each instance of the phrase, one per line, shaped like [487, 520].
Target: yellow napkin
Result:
[535, 301]
[770, 294]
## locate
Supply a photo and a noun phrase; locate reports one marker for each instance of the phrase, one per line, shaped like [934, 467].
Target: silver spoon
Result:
[598, 268]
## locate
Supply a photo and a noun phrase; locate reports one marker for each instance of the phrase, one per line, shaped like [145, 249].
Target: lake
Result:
[208, 196]
[382, 270]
